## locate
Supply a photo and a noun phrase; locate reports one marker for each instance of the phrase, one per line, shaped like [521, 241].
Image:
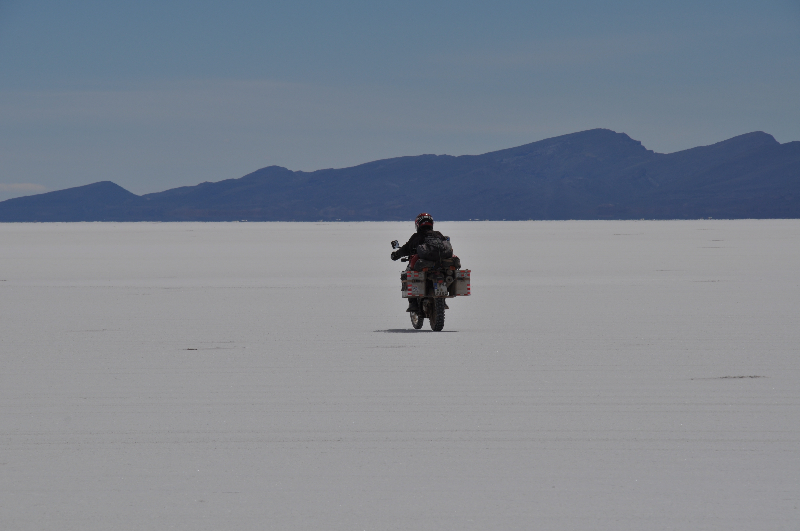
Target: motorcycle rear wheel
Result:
[437, 315]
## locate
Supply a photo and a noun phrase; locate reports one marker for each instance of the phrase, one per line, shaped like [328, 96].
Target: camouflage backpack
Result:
[435, 248]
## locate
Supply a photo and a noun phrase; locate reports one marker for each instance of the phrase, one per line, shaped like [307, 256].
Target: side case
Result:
[413, 283]
[462, 282]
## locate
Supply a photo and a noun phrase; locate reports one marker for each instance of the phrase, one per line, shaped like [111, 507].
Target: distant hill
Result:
[94, 202]
[596, 174]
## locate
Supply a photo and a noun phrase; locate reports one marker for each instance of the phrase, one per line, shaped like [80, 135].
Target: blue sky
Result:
[153, 95]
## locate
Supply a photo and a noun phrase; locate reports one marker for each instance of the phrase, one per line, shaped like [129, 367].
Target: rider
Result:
[424, 225]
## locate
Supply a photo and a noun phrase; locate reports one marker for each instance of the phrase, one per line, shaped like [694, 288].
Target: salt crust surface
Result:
[603, 375]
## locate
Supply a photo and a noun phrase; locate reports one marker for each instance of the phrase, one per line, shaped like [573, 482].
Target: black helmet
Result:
[423, 220]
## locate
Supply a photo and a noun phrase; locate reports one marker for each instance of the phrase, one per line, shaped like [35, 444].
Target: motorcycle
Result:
[432, 283]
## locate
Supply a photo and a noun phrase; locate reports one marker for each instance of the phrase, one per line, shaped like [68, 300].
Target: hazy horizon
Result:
[155, 96]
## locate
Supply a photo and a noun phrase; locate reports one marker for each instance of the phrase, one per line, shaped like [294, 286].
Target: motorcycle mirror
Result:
[395, 244]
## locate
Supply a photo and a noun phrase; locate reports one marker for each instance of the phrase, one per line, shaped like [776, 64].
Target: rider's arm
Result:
[410, 247]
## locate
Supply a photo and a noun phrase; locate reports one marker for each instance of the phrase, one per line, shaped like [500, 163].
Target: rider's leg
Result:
[413, 305]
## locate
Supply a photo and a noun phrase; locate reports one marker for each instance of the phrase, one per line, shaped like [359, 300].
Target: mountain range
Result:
[595, 174]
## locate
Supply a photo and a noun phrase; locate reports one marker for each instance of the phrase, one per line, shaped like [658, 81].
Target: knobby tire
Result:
[437, 319]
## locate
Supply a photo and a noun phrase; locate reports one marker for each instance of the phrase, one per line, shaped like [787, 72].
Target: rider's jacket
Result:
[418, 238]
